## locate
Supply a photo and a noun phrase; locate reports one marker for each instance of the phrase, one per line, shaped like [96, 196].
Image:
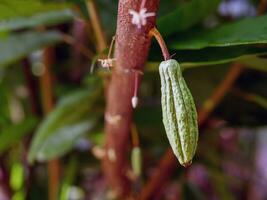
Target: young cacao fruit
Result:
[179, 112]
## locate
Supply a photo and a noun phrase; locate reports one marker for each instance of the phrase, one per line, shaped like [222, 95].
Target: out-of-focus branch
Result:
[47, 105]
[262, 7]
[80, 47]
[96, 25]
[219, 93]
[46, 82]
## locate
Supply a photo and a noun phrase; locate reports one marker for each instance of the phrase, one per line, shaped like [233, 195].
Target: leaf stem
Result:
[154, 32]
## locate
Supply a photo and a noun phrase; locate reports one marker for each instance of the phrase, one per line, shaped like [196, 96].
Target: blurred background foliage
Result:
[206, 36]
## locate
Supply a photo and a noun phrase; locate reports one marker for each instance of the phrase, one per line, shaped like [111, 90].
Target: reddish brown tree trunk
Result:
[131, 51]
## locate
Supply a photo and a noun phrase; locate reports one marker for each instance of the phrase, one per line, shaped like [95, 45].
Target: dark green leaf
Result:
[72, 117]
[16, 46]
[24, 8]
[243, 32]
[13, 134]
[63, 140]
[185, 16]
[42, 19]
[213, 56]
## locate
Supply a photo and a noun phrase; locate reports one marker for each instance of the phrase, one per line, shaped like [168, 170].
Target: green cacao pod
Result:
[179, 112]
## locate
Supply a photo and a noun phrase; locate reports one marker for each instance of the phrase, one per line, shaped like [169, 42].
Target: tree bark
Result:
[131, 51]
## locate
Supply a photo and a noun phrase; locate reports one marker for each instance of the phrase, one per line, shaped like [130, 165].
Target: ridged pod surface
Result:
[179, 112]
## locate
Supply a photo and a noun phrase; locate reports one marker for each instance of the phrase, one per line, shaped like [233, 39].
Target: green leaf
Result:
[24, 8]
[243, 32]
[13, 134]
[72, 117]
[186, 15]
[214, 56]
[63, 140]
[16, 46]
[43, 19]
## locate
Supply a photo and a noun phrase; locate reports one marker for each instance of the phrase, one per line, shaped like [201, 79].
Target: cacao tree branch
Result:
[131, 51]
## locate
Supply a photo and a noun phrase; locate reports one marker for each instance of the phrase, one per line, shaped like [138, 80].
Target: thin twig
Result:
[262, 7]
[111, 46]
[219, 92]
[83, 49]
[47, 105]
[96, 24]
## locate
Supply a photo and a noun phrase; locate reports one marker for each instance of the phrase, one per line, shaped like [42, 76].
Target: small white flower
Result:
[140, 18]
[107, 63]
